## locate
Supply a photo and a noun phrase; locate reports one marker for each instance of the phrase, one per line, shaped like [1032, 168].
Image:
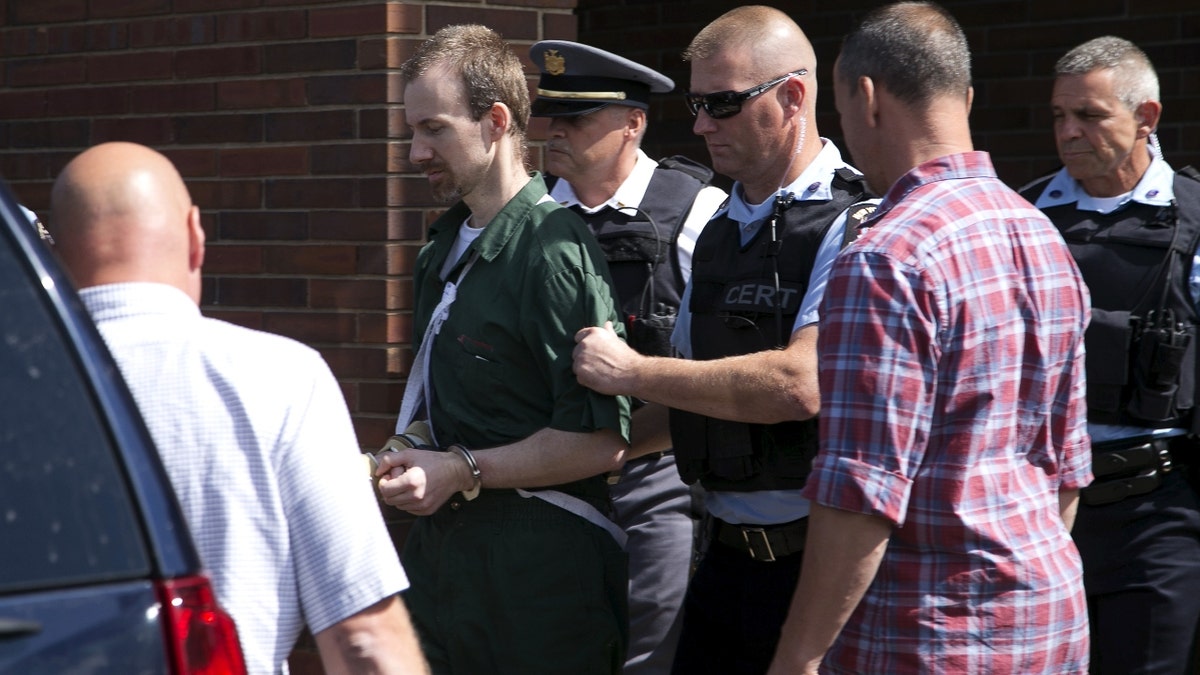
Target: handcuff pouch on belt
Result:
[1127, 472]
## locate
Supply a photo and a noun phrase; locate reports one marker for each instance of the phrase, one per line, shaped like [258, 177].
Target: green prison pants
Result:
[511, 585]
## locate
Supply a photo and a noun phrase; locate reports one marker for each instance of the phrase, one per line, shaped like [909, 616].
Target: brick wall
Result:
[283, 117]
[1014, 44]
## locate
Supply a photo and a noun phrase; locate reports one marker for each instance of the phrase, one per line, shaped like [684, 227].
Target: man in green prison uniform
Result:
[525, 575]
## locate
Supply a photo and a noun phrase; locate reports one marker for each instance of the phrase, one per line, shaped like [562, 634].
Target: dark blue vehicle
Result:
[98, 573]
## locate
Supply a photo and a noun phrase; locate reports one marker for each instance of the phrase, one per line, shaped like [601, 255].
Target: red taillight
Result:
[200, 635]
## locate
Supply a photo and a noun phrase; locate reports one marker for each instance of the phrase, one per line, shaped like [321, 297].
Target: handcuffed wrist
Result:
[476, 476]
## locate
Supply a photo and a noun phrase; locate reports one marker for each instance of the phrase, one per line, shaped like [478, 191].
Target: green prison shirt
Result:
[500, 369]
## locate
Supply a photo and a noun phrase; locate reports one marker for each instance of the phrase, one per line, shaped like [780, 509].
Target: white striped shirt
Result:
[258, 444]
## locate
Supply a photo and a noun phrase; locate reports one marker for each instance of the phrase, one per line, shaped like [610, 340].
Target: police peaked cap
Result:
[577, 79]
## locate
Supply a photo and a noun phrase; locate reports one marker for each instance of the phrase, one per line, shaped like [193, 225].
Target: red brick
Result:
[311, 193]
[361, 361]
[46, 11]
[560, 26]
[167, 98]
[18, 165]
[391, 328]
[513, 24]
[265, 161]
[130, 66]
[372, 225]
[181, 31]
[119, 8]
[284, 93]
[28, 41]
[342, 89]
[41, 72]
[389, 52]
[251, 320]
[272, 225]
[185, 6]
[261, 26]
[348, 158]
[390, 259]
[49, 133]
[310, 56]
[380, 397]
[349, 21]
[153, 131]
[311, 126]
[260, 292]
[90, 101]
[541, 4]
[311, 328]
[227, 194]
[233, 259]
[372, 433]
[323, 259]
[383, 123]
[193, 162]
[406, 191]
[219, 61]
[107, 36]
[22, 104]
[375, 294]
[239, 128]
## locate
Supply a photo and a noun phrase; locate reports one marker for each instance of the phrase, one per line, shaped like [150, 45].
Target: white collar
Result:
[1156, 188]
[629, 194]
[815, 183]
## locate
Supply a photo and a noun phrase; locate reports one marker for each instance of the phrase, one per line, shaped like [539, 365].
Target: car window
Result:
[66, 515]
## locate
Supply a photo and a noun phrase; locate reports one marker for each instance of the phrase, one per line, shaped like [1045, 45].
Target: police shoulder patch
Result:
[856, 217]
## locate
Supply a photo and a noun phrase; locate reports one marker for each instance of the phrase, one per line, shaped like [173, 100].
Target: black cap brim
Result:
[545, 107]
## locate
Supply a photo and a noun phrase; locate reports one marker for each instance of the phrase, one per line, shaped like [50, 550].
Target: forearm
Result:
[1068, 506]
[844, 551]
[650, 431]
[380, 639]
[550, 457]
[767, 387]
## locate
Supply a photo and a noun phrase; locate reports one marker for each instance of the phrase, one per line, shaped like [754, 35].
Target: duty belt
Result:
[1130, 470]
[765, 543]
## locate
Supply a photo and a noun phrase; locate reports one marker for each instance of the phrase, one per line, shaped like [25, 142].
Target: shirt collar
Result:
[973, 164]
[497, 232]
[1156, 188]
[814, 183]
[113, 301]
[629, 194]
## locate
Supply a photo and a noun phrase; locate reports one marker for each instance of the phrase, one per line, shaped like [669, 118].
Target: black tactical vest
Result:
[738, 308]
[1141, 342]
[639, 244]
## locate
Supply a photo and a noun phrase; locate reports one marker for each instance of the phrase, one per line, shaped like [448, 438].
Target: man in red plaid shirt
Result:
[953, 435]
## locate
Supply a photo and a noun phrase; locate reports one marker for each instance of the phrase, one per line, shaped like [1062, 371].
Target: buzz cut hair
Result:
[1134, 77]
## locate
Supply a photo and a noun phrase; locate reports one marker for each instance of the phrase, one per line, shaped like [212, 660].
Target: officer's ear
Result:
[635, 122]
[1147, 115]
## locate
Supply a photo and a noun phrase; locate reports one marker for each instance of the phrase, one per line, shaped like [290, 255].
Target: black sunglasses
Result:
[722, 104]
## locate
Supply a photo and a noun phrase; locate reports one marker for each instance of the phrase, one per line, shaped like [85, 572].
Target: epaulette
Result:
[689, 166]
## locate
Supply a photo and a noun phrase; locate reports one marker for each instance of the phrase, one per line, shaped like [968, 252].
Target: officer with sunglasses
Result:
[744, 403]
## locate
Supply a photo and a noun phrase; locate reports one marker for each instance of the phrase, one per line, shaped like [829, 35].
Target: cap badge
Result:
[555, 63]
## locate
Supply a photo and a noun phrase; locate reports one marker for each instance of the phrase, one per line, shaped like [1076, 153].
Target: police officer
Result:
[646, 216]
[744, 402]
[1133, 226]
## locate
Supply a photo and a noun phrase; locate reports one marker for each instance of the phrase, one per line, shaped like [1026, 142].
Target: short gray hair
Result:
[1134, 78]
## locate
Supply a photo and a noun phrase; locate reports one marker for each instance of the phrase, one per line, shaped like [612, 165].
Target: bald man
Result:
[252, 427]
[743, 418]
